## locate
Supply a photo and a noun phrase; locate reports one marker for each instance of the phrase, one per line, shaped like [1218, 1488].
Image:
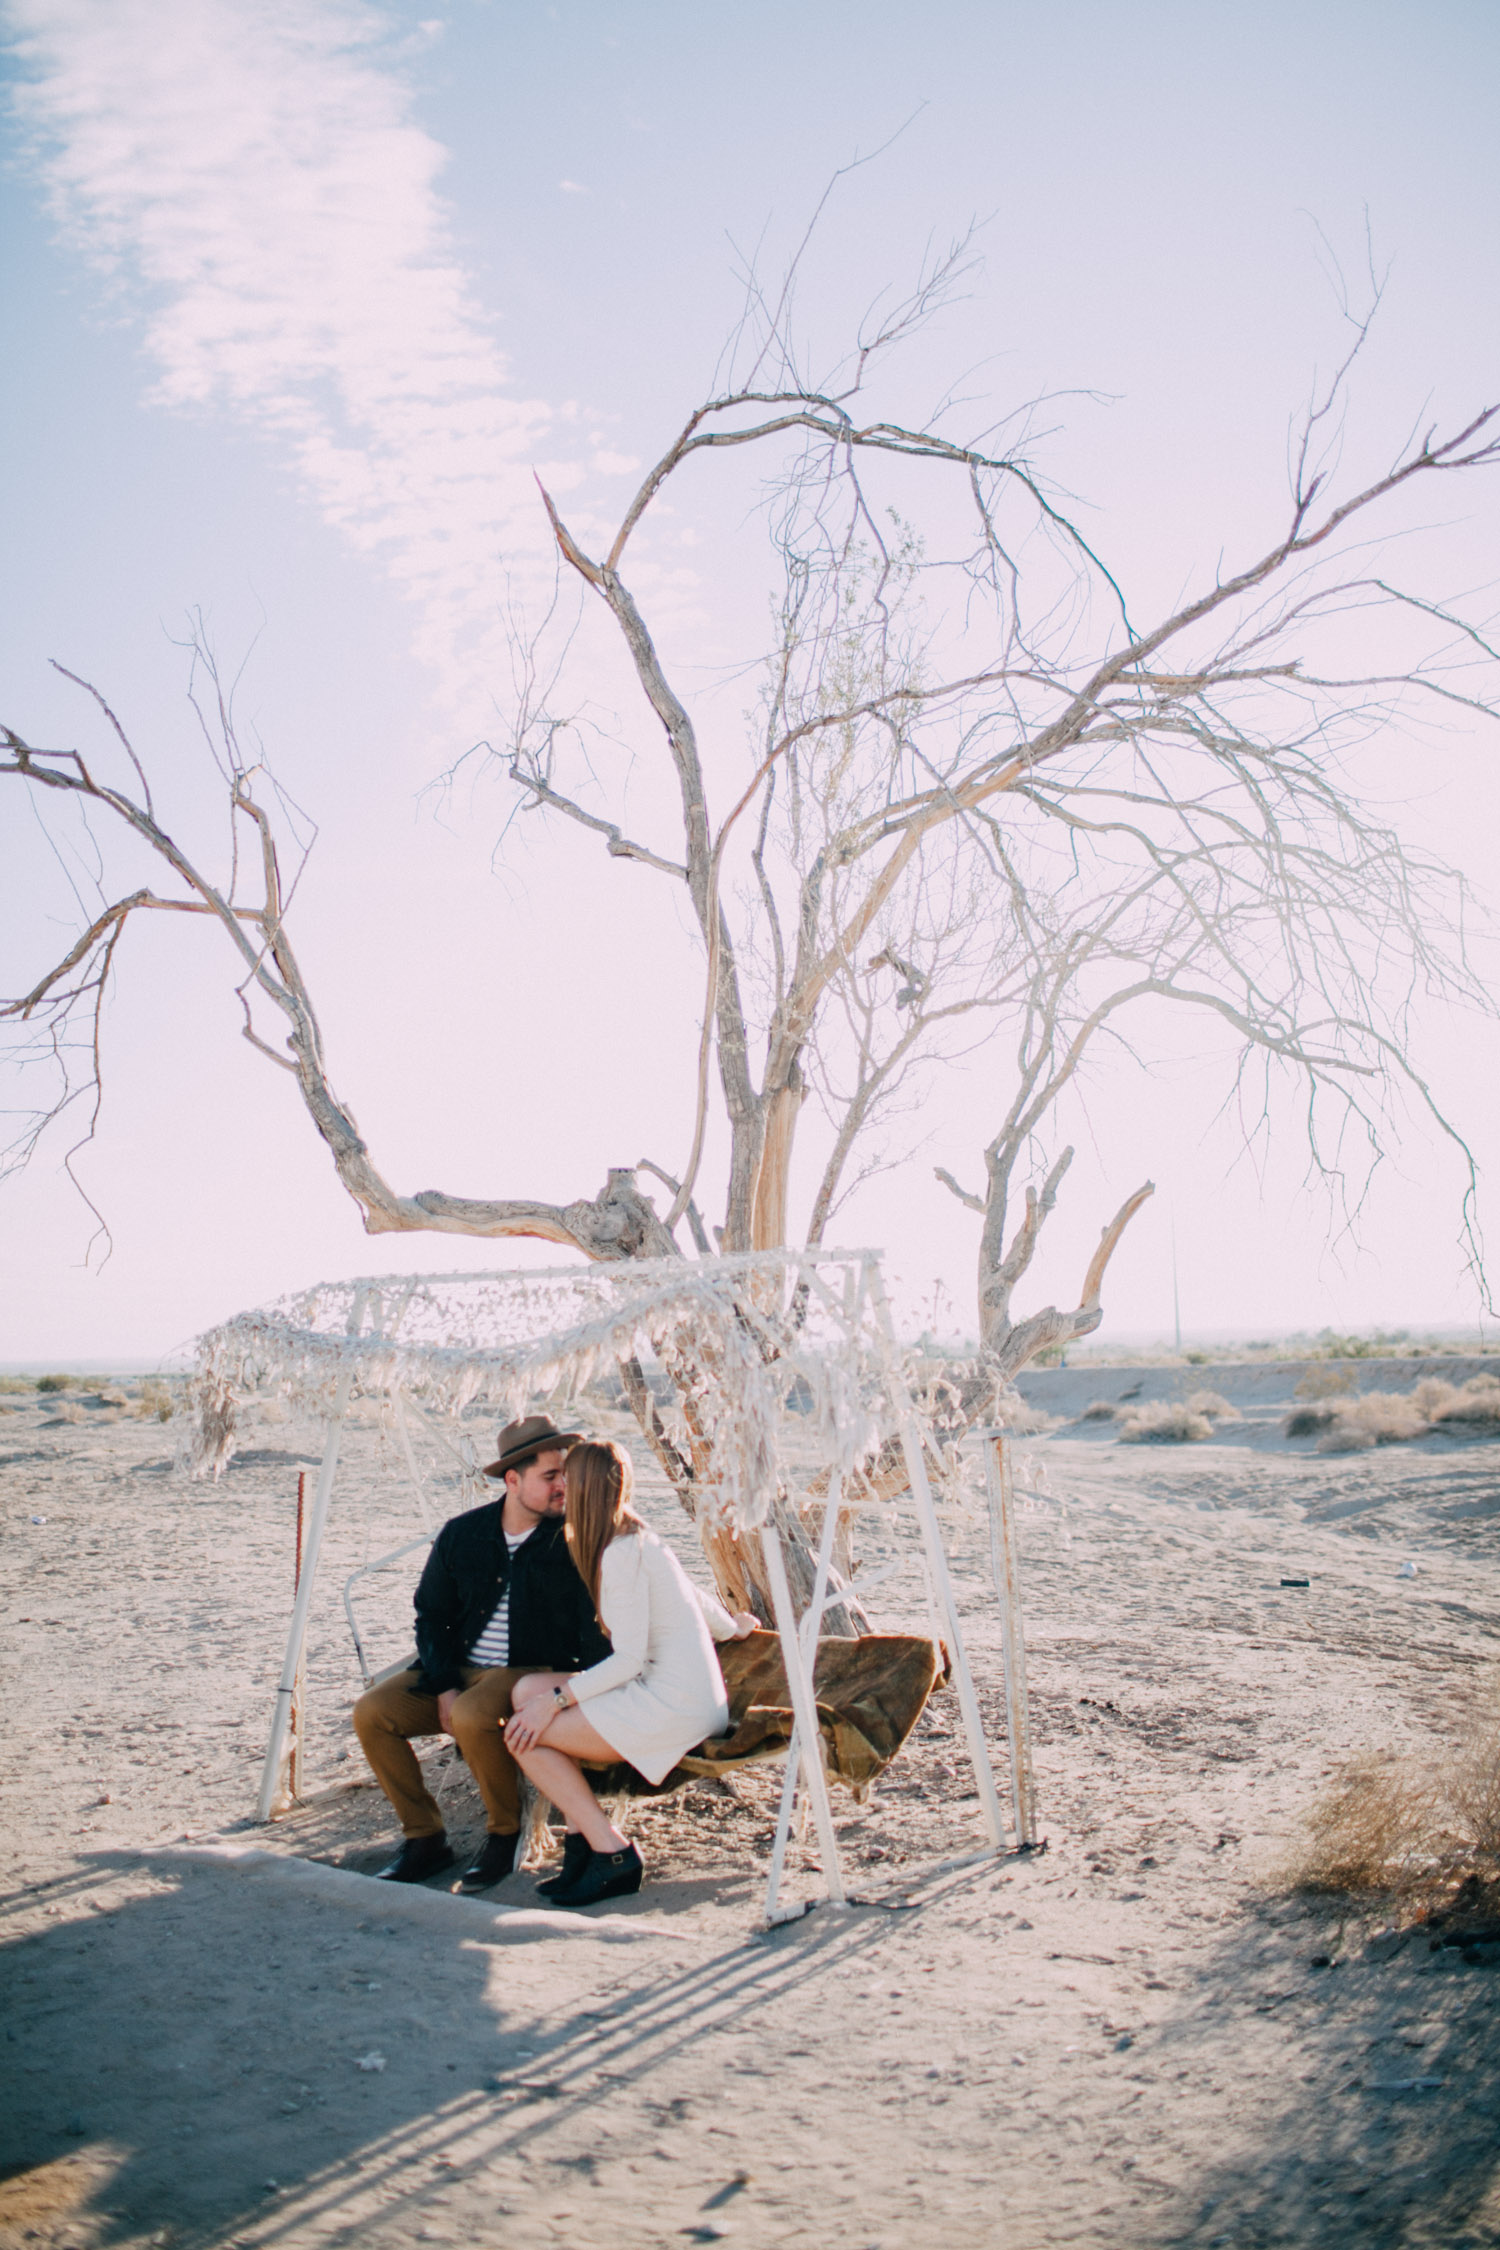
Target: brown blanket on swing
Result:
[870, 1692]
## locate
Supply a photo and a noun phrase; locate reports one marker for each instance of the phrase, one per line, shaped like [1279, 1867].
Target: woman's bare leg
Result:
[553, 1765]
[563, 1788]
[559, 1777]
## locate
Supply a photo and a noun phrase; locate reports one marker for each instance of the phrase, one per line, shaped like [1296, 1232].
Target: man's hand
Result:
[745, 1624]
[445, 1707]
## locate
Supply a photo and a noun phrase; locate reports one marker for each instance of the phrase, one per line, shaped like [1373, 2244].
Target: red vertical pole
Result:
[294, 1771]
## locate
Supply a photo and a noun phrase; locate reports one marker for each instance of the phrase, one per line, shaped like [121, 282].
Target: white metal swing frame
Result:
[636, 1300]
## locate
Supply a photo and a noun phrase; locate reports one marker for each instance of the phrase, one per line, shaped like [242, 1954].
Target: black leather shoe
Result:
[419, 1857]
[575, 1859]
[497, 1856]
[607, 1875]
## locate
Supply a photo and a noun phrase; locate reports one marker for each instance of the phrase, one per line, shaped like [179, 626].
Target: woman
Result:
[659, 1693]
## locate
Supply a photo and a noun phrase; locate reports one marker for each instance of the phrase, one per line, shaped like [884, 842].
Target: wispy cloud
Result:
[254, 175]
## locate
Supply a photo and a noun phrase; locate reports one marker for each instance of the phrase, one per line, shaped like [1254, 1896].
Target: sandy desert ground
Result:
[1136, 2037]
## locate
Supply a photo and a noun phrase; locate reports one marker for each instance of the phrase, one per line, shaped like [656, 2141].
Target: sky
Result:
[303, 299]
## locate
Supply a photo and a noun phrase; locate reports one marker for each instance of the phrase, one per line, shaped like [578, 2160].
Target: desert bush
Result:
[1472, 1789]
[1353, 1425]
[1026, 1421]
[1217, 1408]
[68, 1410]
[155, 1399]
[1098, 1410]
[53, 1382]
[1325, 1382]
[1307, 1421]
[1379, 1418]
[1477, 1401]
[1161, 1422]
[1376, 1830]
[1423, 1831]
[10, 1383]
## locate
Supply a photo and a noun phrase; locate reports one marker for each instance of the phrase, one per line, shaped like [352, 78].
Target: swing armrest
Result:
[381, 1562]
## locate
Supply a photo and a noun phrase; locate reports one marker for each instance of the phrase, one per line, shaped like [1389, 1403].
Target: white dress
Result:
[661, 1691]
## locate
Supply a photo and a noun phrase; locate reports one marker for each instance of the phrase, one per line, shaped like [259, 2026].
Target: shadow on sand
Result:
[1360, 2077]
[198, 2051]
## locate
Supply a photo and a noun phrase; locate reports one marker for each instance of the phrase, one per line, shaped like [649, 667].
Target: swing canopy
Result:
[757, 1348]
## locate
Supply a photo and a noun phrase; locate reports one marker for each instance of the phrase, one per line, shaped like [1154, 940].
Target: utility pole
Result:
[1176, 1301]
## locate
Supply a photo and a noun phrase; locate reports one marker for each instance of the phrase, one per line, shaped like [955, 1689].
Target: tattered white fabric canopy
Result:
[760, 1347]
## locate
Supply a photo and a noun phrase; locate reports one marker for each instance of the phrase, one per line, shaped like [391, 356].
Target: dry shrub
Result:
[1162, 1423]
[1379, 1418]
[1022, 1420]
[9, 1383]
[1478, 1401]
[65, 1410]
[155, 1399]
[1215, 1406]
[1423, 1832]
[1098, 1410]
[1325, 1382]
[1472, 1787]
[46, 1383]
[1307, 1421]
[1353, 1425]
[1376, 1830]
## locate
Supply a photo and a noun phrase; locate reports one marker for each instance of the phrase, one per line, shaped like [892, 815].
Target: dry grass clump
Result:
[1478, 1400]
[1026, 1421]
[1376, 1830]
[1098, 1410]
[1422, 1833]
[1378, 1418]
[1214, 1405]
[155, 1399]
[46, 1383]
[1353, 1425]
[1325, 1382]
[10, 1383]
[1308, 1421]
[1163, 1422]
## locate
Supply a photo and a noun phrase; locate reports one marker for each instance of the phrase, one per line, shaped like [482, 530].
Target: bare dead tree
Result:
[982, 803]
[1135, 816]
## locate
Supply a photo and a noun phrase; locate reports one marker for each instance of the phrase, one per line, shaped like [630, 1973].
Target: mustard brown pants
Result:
[389, 1716]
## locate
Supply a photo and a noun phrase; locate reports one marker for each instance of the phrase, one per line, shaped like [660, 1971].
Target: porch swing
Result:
[785, 1377]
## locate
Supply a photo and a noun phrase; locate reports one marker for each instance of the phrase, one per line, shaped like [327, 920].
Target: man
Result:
[499, 1597]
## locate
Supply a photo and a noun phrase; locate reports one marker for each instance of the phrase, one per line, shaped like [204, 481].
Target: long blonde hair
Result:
[600, 1481]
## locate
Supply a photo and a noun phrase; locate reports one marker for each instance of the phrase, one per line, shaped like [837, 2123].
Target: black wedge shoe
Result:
[419, 1857]
[496, 1858]
[607, 1875]
[576, 1857]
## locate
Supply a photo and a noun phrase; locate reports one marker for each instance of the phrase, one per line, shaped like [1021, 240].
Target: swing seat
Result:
[870, 1694]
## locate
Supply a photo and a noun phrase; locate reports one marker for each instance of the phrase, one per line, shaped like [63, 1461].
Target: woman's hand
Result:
[525, 1728]
[745, 1624]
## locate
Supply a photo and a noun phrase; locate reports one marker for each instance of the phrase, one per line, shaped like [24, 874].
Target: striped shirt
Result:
[492, 1649]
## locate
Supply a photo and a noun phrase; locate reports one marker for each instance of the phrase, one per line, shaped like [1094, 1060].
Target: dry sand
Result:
[1124, 2040]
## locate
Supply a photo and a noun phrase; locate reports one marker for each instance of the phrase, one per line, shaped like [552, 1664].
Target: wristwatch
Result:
[560, 1698]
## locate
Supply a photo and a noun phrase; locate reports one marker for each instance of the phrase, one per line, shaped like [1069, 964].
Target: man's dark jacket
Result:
[552, 1621]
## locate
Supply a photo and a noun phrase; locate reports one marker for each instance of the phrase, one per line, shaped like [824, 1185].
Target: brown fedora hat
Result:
[520, 1442]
